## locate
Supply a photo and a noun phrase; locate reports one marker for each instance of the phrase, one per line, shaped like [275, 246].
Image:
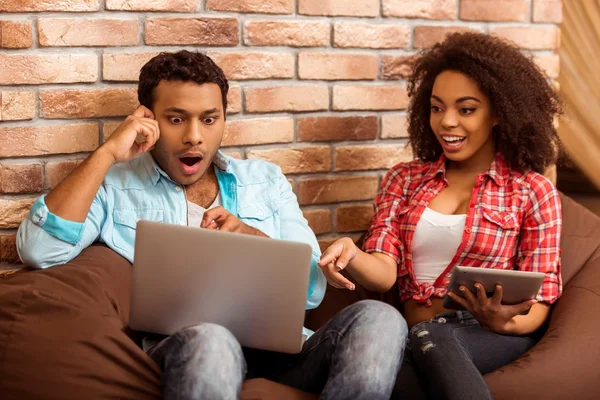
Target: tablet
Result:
[518, 286]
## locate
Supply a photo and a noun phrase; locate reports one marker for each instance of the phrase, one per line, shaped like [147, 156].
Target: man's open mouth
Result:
[190, 161]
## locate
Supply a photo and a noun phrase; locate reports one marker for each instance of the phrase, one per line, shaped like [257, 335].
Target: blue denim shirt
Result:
[254, 190]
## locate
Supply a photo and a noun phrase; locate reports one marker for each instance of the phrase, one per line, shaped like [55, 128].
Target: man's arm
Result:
[294, 227]
[61, 224]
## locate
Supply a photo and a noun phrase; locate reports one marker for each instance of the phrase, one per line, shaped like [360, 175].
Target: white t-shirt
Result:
[195, 212]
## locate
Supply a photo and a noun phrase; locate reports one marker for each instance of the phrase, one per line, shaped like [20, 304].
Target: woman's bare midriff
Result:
[418, 312]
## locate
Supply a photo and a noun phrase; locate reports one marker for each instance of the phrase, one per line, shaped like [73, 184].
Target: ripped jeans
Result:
[356, 356]
[452, 352]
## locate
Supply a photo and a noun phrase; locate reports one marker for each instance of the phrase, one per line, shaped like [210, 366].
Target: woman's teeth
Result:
[453, 140]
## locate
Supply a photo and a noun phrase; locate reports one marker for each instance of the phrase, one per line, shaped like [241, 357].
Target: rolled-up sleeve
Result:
[44, 239]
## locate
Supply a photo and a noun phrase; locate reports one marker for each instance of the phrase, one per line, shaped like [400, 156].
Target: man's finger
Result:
[143, 112]
[216, 214]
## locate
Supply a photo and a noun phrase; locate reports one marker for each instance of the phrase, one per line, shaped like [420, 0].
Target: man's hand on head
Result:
[136, 135]
[221, 219]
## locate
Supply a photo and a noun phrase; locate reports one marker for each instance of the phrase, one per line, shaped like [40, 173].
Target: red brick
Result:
[15, 34]
[324, 243]
[369, 97]
[88, 32]
[530, 37]
[54, 139]
[319, 221]
[287, 98]
[394, 126]
[57, 171]
[243, 132]
[397, 67]
[124, 67]
[33, 69]
[297, 160]
[549, 63]
[49, 5]
[354, 218]
[192, 31]
[108, 128]
[495, 10]
[154, 5]
[327, 66]
[247, 65]
[334, 190]
[427, 36]
[88, 103]
[234, 100]
[354, 8]
[17, 105]
[252, 6]
[287, 33]
[371, 36]
[425, 9]
[357, 158]
[20, 178]
[13, 212]
[547, 11]
[313, 129]
[8, 249]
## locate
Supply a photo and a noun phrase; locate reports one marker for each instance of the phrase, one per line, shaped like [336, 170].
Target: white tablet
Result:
[518, 286]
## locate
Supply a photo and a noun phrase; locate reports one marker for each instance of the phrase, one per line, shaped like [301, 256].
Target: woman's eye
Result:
[435, 109]
[176, 120]
[466, 111]
[209, 121]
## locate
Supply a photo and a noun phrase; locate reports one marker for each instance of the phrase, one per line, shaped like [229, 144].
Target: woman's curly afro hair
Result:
[522, 100]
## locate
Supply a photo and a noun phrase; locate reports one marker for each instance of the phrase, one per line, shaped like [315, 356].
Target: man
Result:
[163, 164]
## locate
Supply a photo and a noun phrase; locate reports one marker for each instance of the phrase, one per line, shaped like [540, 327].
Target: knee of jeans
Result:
[211, 337]
[383, 319]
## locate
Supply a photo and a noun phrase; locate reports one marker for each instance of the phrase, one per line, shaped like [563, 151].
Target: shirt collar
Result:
[155, 172]
[498, 171]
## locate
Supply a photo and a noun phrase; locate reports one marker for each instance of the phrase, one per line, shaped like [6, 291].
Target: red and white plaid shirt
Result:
[513, 222]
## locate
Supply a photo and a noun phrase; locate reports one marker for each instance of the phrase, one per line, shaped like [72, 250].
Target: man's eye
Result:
[176, 120]
[209, 121]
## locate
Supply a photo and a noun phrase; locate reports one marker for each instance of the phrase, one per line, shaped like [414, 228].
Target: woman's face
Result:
[461, 118]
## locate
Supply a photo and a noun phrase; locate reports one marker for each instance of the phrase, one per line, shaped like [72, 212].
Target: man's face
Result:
[192, 122]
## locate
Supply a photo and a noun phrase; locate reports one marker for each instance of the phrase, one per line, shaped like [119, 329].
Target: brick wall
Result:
[317, 85]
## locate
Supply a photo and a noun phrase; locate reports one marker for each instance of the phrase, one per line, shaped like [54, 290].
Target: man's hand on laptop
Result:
[221, 219]
[136, 135]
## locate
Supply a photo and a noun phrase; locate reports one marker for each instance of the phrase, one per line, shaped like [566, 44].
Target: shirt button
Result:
[480, 179]
[178, 188]
[468, 230]
[260, 213]
[441, 320]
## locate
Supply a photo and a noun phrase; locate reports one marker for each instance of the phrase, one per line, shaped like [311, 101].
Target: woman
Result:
[481, 127]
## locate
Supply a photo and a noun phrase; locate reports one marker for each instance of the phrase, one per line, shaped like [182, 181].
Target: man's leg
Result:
[201, 362]
[452, 353]
[356, 355]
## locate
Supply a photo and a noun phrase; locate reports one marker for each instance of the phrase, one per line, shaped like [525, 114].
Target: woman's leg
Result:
[453, 351]
[408, 384]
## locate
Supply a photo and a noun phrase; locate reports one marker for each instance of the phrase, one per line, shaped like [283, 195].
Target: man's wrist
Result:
[106, 155]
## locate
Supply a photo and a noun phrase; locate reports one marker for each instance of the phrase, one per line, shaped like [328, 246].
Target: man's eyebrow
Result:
[185, 112]
[211, 111]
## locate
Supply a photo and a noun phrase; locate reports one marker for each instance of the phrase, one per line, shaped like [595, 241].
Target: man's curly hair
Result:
[522, 99]
[184, 66]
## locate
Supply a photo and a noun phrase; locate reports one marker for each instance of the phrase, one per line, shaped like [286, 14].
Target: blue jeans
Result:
[356, 355]
[452, 352]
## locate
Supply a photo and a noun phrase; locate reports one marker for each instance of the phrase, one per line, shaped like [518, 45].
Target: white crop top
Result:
[436, 240]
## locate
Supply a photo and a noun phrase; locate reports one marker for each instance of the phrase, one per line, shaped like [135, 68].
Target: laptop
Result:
[254, 286]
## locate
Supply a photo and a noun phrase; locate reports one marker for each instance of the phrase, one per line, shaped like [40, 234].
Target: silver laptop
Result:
[255, 287]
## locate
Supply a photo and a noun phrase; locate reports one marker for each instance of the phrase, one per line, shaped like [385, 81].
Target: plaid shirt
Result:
[513, 222]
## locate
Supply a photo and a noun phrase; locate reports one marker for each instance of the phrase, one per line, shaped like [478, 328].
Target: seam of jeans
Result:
[328, 335]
